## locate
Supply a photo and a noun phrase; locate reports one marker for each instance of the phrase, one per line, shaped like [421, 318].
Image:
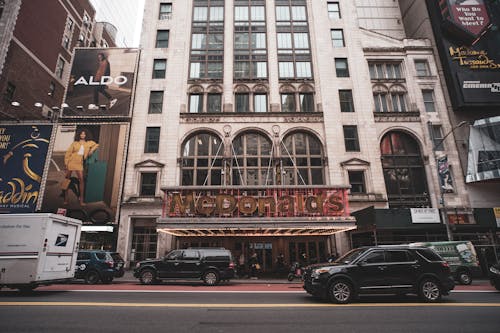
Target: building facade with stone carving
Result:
[284, 127]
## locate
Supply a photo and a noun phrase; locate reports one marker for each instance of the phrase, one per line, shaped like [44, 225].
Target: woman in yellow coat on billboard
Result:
[82, 147]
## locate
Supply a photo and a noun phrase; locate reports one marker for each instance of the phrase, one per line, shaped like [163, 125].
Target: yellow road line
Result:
[228, 305]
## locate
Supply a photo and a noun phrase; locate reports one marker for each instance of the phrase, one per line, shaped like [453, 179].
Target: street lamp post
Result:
[443, 173]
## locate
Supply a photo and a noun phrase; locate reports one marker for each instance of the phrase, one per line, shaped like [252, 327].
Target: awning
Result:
[245, 228]
[97, 228]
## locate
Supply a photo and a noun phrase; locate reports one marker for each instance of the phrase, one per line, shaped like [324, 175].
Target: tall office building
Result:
[284, 126]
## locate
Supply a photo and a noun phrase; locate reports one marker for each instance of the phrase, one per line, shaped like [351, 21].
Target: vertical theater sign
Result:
[23, 151]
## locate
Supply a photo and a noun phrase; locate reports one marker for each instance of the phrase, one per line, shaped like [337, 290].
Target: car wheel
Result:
[27, 288]
[290, 277]
[92, 277]
[341, 292]
[148, 276]
[497, 285]
[464, 277]
[430, 291]
[211, 278]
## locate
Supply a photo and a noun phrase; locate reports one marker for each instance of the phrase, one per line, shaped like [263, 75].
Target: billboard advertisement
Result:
[23, 149]
[467, 16]
[484, 150]
[101, 83]
[85, 172]
[469, 43]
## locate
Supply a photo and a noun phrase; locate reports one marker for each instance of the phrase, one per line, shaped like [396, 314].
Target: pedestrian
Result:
[253, 265]
[241, 265]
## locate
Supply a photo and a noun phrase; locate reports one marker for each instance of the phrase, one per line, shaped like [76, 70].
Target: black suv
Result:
[381, 269]
[97, 265]
[210, 265]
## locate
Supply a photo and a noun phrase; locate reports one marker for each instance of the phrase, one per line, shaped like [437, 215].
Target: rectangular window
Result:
[357, 181]
[260, 102]
[422, 68]
[214, 103]
[60, 67]
[52, 89]
[351, 138]
[242, 102]
[162, 38]
[260, 70]
[159, 68]
[306, 102]
[337, 38]
[241, 69]
[200, 14]
[333, 10]
[195, 103]
[384, 71]
[437, 137]
[196, 70]
[346, 101]
[152, 140]
[286, 70]
[303, 69]
[288, 103]
[165, 11]
[155, 102]
[380, 100]
[341, 67]
[148, 184]
[429, 100]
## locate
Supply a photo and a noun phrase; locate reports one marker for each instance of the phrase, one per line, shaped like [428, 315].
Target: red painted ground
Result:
[271, 287]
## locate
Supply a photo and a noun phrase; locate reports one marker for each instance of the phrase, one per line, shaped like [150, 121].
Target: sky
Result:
[125, 15]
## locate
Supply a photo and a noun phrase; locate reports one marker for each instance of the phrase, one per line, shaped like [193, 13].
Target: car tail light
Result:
[445, 264]
[231, 265]
[110, 264]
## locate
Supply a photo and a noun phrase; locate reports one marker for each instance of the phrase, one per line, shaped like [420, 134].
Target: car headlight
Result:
[494, 270]
[317, 272]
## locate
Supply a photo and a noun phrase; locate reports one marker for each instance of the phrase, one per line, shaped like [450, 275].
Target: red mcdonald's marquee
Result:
[256, 202]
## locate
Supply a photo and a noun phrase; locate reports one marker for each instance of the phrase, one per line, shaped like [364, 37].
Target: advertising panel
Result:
[425, 215]
[85, 171]
[101, 83]
[483, 161]
[23, 149]
[469, 45]
[471, 16]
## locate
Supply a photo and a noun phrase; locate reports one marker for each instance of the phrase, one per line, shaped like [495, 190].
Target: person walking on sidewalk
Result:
[253, 265]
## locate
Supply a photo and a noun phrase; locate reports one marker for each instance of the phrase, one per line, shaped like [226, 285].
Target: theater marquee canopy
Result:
[255, 211]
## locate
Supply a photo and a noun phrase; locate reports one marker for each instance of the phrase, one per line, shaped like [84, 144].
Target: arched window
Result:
[251, 160]
[202, 160]
[302, 160]
[404, 172]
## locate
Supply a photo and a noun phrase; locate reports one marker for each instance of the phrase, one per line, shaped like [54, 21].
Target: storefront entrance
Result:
[274, 254]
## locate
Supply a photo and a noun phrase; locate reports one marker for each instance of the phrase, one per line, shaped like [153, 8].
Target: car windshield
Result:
[350, 256]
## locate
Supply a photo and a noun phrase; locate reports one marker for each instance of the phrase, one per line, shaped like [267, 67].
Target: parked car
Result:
[211, 265]
[495, 276]
[381, 269]
[462, 257]
[98, 265]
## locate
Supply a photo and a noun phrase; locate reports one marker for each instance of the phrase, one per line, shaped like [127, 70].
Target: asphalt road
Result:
[193, 310]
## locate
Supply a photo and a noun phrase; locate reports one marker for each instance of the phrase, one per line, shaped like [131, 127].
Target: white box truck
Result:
[37, 249]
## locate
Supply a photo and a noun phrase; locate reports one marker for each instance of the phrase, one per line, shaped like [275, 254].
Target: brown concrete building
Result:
[36, 48]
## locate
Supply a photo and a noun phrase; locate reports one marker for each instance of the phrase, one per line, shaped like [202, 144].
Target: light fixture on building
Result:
[38, 104]
[15, 103]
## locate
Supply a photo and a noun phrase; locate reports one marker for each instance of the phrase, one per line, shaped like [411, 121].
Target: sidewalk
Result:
[129, 278]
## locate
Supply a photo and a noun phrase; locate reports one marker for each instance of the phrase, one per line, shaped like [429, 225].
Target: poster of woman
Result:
[85, 170]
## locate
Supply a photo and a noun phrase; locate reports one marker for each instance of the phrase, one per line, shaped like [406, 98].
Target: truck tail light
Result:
[231, 265]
